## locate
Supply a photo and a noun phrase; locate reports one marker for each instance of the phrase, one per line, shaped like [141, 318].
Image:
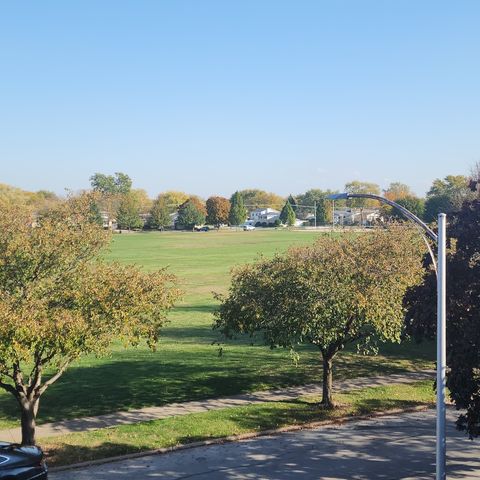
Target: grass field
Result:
[186, 365]
[108, 442]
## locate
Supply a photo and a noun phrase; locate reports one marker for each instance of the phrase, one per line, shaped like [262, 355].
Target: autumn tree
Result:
[173, 199]
[287, 215]
[339, 290]
[254, 198]
[218, 209]
[59, 300]
[397, 191]
[238, 213]
[362, 187]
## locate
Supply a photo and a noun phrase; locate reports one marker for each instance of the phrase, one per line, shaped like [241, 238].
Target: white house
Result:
[264, 215]
[351, 216]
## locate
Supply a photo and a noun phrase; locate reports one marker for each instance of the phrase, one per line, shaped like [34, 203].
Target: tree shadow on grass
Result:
[139, 378]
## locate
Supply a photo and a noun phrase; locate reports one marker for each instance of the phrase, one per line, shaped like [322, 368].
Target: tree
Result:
[128, 213]
[463, 306]
[174, 199]
[362, 187]
[110, 184]
[160, 213]
[319, 198]
[238, 212]
[337, 291]
[60, 301]
[191, 213]
[293, 202]
[218, 209]
[414, 204]
[287, 215]
[397, 191]
[447, 195]
[255, 198]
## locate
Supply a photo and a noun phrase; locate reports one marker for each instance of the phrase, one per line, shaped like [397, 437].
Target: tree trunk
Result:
[29, 410]
[327, 388]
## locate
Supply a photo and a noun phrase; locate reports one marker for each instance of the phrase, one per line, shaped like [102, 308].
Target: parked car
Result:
[202, 229]
[248, 227]
[21, 463]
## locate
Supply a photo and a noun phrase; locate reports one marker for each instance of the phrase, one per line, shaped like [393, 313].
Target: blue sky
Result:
[213, 96]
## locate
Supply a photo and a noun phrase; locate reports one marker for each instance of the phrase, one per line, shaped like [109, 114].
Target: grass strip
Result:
[144, 436]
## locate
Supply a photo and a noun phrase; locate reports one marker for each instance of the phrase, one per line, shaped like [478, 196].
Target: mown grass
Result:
[108, 442]
[186, 365]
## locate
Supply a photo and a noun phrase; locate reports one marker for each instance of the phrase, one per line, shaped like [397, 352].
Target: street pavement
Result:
[392, 447]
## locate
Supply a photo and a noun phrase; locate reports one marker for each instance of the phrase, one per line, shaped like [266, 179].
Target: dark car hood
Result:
[15, 456]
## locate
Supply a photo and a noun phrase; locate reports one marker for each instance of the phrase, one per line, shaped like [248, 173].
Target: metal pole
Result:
[315, 212]
[441, 348]
[333, 213]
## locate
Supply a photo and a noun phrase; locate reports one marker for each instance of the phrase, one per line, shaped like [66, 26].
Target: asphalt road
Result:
[394, 447]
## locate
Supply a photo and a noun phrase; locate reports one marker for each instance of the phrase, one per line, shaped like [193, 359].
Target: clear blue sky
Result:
[213, 96]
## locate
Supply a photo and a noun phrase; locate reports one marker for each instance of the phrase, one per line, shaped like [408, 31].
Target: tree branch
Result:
[41, 389]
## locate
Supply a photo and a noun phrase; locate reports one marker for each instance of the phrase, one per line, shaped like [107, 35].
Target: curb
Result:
[240, 437]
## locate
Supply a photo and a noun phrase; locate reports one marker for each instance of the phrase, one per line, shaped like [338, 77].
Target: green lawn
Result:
[108, 442]
[186, 365]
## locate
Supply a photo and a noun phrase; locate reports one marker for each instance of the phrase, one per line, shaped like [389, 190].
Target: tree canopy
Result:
[59, 300]
[218, 209]
[238, 212]
[120, 183]
[463, 308]
[447, 195]
[287, 215]
[191, 213]
[254, 198]
[337, 291]
[160, 213]
[357, 186]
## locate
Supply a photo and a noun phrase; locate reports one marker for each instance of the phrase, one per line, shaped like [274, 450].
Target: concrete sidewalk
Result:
[175, 409]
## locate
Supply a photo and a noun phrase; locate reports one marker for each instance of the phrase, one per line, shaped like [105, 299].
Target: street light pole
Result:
[441, 453]
[440, 267]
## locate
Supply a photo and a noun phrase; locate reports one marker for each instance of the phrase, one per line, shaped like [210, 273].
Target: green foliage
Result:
[238, 212]
[120, 183]
[447, 195]
[191, 214]
[58, 301]
[463, 306]
[413, 204]
[337, 291]
[218, 209]
[324, 207]
[128, 213]
[160, 213]
[287, 215]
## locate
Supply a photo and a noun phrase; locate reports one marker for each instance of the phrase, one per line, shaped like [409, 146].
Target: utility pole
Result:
[315, 212]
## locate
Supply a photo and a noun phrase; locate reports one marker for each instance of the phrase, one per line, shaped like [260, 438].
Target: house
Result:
[359, 216]
[108, 222]
[264, 215]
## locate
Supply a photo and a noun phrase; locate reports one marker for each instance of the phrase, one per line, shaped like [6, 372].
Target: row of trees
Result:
[132, 207]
